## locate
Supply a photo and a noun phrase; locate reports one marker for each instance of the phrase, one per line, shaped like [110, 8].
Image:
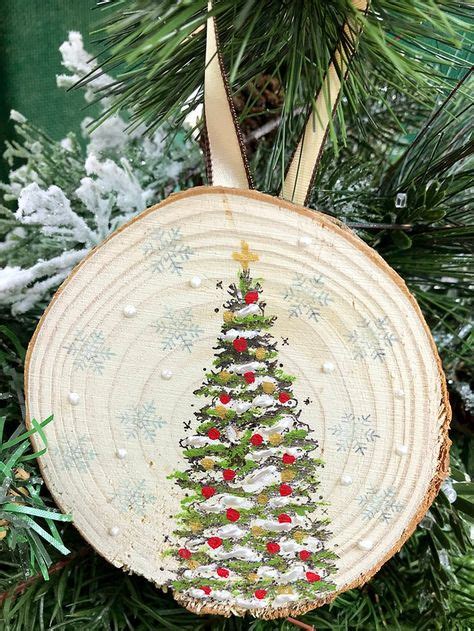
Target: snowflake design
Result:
[141, 420]
[354, 433]
[379, 504]
[75, 455]
[89, 351]
[307, 296]
[166, 251]
[177, 329]
[371, 339]
[133, 495]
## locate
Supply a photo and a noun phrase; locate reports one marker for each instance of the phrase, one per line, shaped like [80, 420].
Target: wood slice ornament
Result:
[248, 405]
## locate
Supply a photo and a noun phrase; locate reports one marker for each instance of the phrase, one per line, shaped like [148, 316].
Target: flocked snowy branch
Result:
[65, 198]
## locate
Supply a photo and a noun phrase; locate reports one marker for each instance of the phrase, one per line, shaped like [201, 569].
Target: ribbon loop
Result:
[302, 168]
[226, 158]
[227, 163]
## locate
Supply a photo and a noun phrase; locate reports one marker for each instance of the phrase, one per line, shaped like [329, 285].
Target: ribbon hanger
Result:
[226, 155]
[227, 159]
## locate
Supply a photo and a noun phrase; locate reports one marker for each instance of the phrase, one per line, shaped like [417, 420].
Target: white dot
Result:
[114, 531]
[129, 311]
[401, 450]
[166, 374]
[74, 398]
[304, 242]
[195, 282]
[365, 544]
[399, 394]
[345, 480]
[121, 453]
[328, 368]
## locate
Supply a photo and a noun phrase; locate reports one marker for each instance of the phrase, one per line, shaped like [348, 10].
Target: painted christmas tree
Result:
[251, 536]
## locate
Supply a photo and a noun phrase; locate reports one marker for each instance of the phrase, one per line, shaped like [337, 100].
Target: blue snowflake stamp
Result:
[371, 339]
[307, 297]
[379, 504]
[133, 495]
[89, 351]
[77, 453]
[177, 330]
[166, 251]
[141, 421]
[354, 433]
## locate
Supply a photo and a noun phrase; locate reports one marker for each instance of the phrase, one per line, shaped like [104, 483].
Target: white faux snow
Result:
[285, 423]
[217, 503]
[243, 553]
[258, 480]
[263, 454]
[276, 526]
[279, 502]
[252, 309]
[232, 334]
[284, 599]
[264, 401]
[228, 531]
[241, 369]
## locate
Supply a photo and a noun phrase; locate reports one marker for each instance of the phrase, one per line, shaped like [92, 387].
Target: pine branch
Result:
[159, 47]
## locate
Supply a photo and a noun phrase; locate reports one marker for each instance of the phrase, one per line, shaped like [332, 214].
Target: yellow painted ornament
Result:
[299, 536]
[257, 531]
[268, 387]
[275, 439]
[221, 411]
[287, 475]
[225, 376]
[262, 499]
[192, 564]
[228, 316]
[260, 353]
[207, 463]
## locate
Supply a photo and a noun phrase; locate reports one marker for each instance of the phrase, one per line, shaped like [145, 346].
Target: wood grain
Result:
[403, 391]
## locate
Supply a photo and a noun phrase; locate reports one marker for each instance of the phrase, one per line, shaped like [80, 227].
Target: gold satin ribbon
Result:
[300, 173]
[227, 160]
[225, 152]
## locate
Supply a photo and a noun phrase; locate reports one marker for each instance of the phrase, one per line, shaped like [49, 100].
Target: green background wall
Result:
[31, 32]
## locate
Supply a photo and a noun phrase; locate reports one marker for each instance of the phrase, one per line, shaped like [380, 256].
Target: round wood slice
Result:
[127, 338]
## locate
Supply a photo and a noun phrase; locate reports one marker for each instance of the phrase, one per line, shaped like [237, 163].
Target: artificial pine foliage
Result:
[405, 121]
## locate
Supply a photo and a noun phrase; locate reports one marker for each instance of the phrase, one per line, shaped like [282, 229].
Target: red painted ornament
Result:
[251, 297]
[224, 398]
[305, 555]
[184, 553]
[285, 489]
[206, 589]
[260, 593]
[208, 491]
[288, 459]
[249, 377]
[273, 547]
[214, 542]
[222, 572]
[283, 397]
[214, 433]
[256, 440]
[312, 577]
[240, 344]
[284, 518]
[228, 474]
[232, 514]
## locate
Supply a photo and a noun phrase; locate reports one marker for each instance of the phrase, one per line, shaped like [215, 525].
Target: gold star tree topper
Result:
[245, 256]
